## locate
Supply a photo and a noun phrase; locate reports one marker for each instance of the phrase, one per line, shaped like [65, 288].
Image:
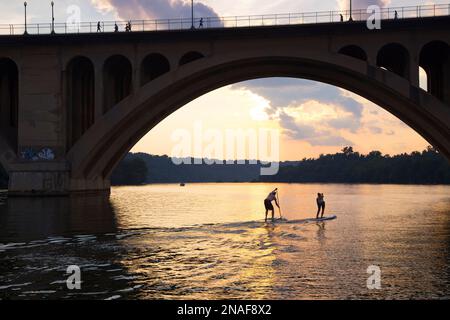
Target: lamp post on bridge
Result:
[192, 14]
[53, 18]
[25, 6]
[351, 18]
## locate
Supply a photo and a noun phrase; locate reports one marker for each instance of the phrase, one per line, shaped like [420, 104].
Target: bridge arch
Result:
[9, 101]
[354, 51]
[117, 80]
[434, 58]
[102, 147]
[80, 98]
[190, 57]
[394, 57]
[153, 66]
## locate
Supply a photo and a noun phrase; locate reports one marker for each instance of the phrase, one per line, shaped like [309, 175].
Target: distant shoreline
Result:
[427, 167]
[275, 182]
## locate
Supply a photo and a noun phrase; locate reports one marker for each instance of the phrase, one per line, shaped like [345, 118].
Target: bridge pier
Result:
[53, 183]
[414, 73]
[30, 183]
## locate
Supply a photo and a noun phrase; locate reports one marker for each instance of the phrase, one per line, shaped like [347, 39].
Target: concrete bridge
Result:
[73, 105]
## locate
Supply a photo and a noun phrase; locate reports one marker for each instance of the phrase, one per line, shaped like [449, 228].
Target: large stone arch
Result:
[190, 57]
[354, 51]
[434, 58]
[153, 66]
[395, 58]
[96, 154]
[9, 101]
[80, 98]
[117, 80]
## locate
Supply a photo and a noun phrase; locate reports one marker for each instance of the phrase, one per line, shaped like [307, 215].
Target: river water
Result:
[208, 241]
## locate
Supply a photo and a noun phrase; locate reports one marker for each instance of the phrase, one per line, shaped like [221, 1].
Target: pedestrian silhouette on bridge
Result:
[128, 27]
[99, 27]
[395, 15]
[200, 25]
[342, 17]
[116, 27]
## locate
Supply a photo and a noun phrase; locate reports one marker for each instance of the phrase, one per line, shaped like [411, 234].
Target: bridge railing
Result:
[229, 21]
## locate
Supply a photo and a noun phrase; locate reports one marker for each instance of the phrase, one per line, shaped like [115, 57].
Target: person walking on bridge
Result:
[128, 27]
[268, 203]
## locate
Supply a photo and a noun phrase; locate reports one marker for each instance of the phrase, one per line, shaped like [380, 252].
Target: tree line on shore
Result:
[347, 166]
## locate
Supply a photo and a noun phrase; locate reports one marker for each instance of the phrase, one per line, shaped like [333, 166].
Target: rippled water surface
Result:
[208, 241]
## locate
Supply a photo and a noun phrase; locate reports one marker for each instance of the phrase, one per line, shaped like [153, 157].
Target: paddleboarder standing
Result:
[268, 203]
[320, 204]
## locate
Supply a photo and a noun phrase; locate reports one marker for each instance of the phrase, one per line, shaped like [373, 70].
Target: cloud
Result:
[375, 130]
[298, 130]
[154, 9]
[390, 133]
[11, 12]
[362, 4]
[347, 122]
[290, 104]
[283, 92]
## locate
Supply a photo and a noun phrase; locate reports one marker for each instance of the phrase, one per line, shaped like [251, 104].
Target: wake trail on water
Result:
[227, 227]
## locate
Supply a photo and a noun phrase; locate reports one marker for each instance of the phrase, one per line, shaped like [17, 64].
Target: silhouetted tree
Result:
[347, 151]
[131, 171]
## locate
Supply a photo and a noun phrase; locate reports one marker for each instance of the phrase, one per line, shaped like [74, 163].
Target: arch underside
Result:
[116, 138]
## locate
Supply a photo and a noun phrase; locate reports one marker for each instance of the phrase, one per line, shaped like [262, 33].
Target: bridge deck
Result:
[74, 26]
[358, 27]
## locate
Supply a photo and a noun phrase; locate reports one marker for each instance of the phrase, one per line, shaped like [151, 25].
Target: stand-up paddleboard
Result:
[323, 218]
[284, 220]
[277, 220]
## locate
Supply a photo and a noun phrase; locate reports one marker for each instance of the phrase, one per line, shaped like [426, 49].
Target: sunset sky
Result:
[313, 118]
